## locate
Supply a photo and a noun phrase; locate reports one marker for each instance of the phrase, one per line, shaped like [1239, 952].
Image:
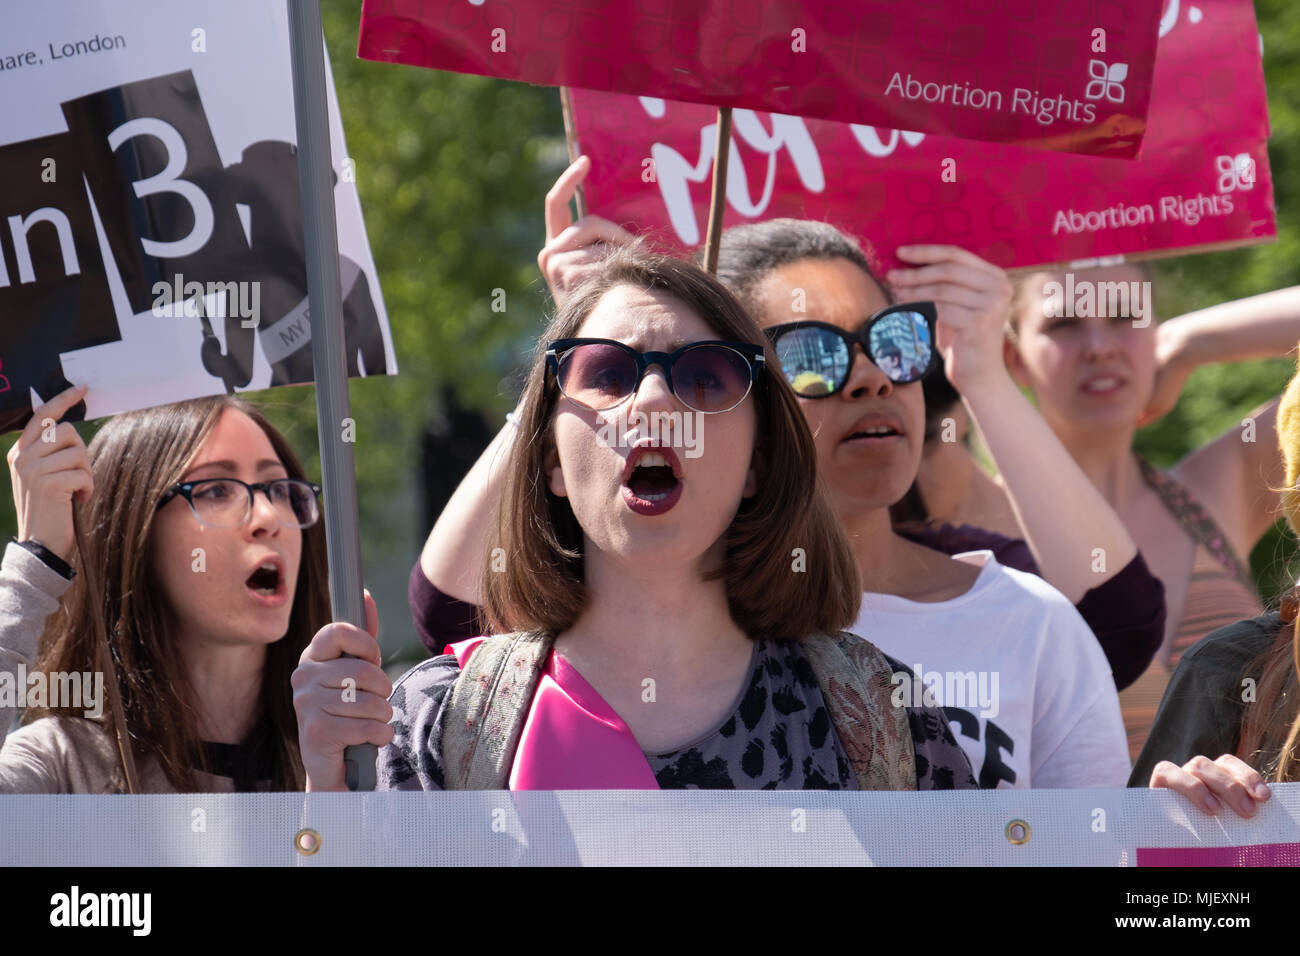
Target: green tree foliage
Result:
[1217, 397]
[451, 170]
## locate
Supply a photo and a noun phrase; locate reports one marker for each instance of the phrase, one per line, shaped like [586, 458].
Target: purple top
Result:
[1126, 612]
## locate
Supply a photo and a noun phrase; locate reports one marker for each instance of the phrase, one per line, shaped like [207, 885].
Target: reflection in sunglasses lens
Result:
[814, 360]
[900, 346]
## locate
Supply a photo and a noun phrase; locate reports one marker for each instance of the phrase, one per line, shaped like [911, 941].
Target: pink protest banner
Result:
[1202, 180]
[1073, 77]
[1260, 854]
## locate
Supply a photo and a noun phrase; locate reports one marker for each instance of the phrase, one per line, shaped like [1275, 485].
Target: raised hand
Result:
[972, 298]
[1172, 373]
[49, 466]
[573, 248]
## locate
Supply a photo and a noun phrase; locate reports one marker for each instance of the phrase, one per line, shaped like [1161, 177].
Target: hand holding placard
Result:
[340, 693]
[49, 466]
[971, 296]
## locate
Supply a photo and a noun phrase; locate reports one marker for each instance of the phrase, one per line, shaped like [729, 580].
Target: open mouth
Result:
[652, 482]
[876, 428]
[265, 581]
[1102, 385]
[652, 479]
[875, 431]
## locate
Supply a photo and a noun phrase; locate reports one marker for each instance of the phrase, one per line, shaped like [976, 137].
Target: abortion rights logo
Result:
[1235, 172]
[1107, 81]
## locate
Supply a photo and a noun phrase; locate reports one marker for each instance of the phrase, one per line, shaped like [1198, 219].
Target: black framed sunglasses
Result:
[708, 377]
[816, 357]
[228, 502]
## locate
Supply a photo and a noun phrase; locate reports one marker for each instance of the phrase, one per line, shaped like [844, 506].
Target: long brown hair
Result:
[134, 459]
[788, 569]
[1270, 730]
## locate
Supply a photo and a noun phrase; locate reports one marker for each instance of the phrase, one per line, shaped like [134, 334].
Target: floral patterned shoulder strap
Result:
[1195, 520]
[857, 682]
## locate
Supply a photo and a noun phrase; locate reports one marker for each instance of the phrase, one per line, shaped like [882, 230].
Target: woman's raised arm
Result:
[455, 552]
[48, 465]
[1235, 473]
[1067, 522]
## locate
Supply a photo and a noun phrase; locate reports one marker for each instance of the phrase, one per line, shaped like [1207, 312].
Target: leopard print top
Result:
[778, 735]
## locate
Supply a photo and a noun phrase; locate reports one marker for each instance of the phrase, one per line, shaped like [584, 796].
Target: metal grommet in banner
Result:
[306, 842]
[1018, 832]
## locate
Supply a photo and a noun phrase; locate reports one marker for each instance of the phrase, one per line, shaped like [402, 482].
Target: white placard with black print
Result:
[151, 239]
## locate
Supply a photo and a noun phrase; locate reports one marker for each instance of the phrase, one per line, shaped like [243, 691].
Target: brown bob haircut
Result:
[134, 459]
[541, 587]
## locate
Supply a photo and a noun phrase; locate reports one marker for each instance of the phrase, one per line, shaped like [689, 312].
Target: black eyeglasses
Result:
[816, 356]
[228, 502]
[601, 374]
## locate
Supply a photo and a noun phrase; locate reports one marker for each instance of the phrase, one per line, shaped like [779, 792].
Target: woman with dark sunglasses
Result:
[198, 582]
[1081, 548]
[660, 619]
[1012, 663]
[822, 350]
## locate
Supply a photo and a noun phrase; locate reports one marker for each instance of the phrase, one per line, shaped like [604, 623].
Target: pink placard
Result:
[1202, 179]
[1073, 77]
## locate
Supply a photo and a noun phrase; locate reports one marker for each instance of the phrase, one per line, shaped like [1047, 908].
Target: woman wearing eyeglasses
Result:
[206, 570]
[666, 613]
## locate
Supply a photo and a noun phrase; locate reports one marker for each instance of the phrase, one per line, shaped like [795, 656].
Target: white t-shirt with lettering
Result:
[1024, 683]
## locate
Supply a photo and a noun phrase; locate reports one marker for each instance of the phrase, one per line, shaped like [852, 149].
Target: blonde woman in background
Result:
[1235, 693]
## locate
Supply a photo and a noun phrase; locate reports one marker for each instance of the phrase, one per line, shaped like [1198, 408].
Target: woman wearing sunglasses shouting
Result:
[204, 579]
[814, 289]
[667, 613]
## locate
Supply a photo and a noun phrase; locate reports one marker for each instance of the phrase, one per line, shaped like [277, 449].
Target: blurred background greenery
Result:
[452, 170]
[1217, 397]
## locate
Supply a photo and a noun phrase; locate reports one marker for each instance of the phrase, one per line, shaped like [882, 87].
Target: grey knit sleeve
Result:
[29, 593]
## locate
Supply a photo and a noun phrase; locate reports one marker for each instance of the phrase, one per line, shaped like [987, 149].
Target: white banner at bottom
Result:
[647, 828]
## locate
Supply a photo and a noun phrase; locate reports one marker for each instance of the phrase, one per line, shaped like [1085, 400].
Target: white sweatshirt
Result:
[1021, 677]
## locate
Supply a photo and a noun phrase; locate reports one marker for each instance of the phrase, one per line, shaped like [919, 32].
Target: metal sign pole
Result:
[333, 407]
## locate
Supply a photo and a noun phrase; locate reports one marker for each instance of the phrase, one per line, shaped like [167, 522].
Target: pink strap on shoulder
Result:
[463, 649]
[572, 739]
